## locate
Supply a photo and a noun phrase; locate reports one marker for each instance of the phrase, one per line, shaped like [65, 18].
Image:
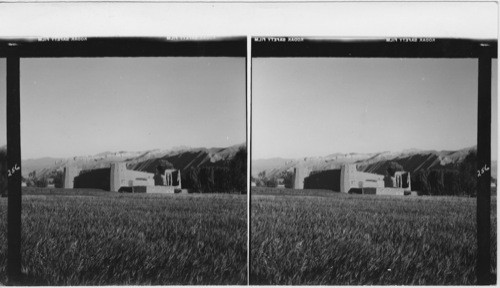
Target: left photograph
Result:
[133, 162]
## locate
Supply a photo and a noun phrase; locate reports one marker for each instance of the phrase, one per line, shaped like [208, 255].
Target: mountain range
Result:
[181, 158]
[412, 161]
[184, 158]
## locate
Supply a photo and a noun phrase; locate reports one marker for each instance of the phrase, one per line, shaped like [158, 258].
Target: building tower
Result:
[299, 174]
[70, 172]
[347, 177]
[117, 176]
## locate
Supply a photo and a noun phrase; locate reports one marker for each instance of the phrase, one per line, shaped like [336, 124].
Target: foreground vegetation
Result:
[89, 237]
[336, 239]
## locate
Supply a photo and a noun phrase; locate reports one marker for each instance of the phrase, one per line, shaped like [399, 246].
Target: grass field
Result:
[89, 237]
[332, 238]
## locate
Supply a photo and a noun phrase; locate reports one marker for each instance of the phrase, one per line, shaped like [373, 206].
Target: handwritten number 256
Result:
[12, 170]
[481, 172]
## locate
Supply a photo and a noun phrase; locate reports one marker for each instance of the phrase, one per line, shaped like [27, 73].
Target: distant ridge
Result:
[181, 157]
[412, 160]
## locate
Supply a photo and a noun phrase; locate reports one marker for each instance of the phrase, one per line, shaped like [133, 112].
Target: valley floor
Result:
[90, 237]
[312, 237]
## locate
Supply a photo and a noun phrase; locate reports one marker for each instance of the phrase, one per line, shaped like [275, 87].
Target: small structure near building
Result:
[348, 180]
[280, 183]
[50, 183]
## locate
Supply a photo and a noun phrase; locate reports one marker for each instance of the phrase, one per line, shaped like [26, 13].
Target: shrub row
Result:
[228, 178]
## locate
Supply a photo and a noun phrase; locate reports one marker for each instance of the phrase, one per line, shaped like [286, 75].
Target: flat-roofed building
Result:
[118, 178]
[348, 179]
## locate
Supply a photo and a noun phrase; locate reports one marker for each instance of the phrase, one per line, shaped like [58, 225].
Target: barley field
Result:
[336, 239]
[90, 237]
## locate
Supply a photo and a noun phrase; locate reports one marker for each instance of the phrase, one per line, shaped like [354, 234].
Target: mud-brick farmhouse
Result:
[348, 179]
[118, 178]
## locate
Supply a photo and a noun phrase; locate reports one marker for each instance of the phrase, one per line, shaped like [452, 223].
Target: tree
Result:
[41, 182]
[420, 182]
[272, 182]
[238, 168]
[58, 177]
[261, 179]
[165, 164]
[393, 167]
[287, 178]
[468, 175]
[451, 182]
[210, 183]
[192, 182]
[223, 183]
[436, 181]
[158, 179]
[262, 174]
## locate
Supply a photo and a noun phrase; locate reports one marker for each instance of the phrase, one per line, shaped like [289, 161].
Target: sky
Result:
[112, 104]
[84, 106]
[303, 107]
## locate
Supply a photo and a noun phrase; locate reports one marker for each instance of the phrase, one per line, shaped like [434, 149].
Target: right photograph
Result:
[369, 165]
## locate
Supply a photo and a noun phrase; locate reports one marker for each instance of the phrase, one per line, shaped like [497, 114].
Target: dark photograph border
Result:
[15, 49]
[411, 47]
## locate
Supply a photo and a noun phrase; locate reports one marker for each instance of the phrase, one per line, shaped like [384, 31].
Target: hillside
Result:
[182, 158]
[412, 160]
[185, 159]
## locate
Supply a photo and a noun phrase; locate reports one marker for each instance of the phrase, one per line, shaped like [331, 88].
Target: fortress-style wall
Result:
[118, 176]
[391, 191]
[347, 180]
[122, 177]
[299, 174]
[155, 189]
[95, 179]
[351, 178]
[70, 172]
[328, 180]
